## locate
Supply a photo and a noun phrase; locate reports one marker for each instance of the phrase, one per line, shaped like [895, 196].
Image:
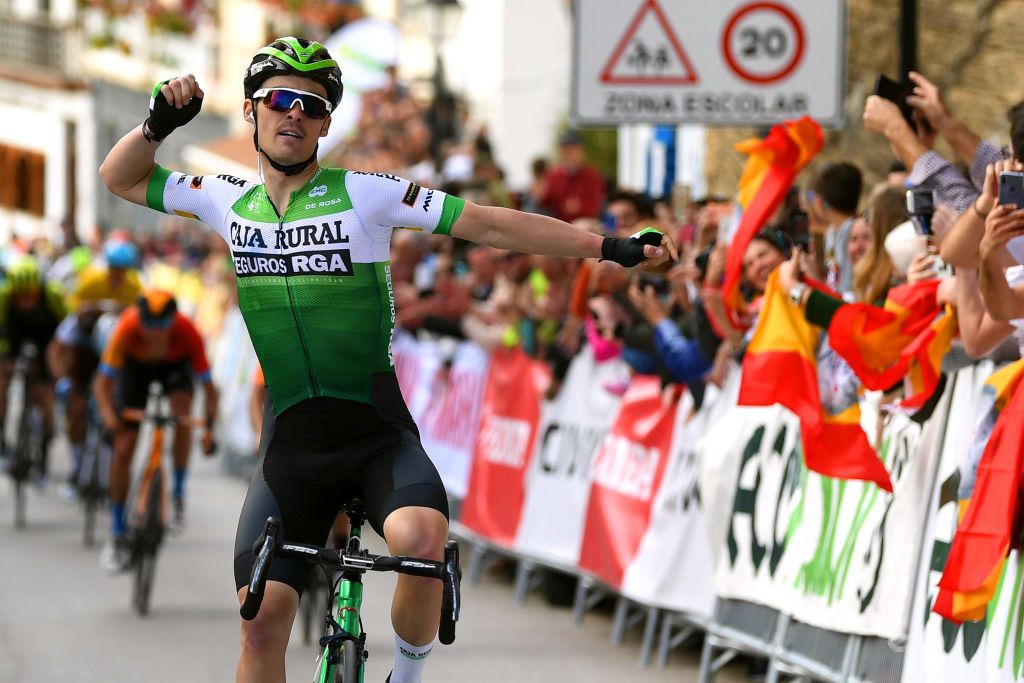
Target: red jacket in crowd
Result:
[574, 193]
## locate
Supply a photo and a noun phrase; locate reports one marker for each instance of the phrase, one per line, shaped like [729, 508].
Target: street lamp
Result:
[442, 117]
[444, 22]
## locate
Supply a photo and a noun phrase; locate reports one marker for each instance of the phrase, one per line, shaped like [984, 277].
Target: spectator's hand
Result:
[716, 266]
[927, 99]
[946, 294]
[1004, 223]
[921, 268]
[648, 303]
[790, 271]
[990, 190]
[883, 116]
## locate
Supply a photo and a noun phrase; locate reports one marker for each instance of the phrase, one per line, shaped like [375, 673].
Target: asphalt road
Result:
[63, 619]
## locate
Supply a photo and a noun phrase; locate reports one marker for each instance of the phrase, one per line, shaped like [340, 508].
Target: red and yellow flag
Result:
[780, 366]
[772, 165]
[982, 540]
[907, 337]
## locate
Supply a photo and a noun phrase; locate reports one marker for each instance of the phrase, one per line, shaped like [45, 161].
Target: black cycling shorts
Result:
[133, 384]
[316, 456]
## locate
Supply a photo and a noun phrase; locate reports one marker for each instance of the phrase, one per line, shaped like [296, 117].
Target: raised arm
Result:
[131, 161]
[978, 331]
[535, 234]
[927, 99]
[1003, 302]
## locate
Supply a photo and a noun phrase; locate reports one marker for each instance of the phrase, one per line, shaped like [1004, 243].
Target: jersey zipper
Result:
[298, 325]
[288, 287]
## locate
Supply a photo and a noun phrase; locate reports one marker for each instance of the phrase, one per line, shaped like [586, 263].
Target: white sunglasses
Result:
[283, 99]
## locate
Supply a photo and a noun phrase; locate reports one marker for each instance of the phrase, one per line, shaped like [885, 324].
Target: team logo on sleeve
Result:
[426, 200]
[410, 195]
[197, 183]
[181, 179]
[238, 182]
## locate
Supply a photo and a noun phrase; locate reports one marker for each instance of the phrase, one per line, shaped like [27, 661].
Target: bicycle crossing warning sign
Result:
[728, 62]
[649, 53]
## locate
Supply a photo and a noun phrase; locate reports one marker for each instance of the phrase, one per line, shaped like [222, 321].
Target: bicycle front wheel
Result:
[145, 569]
[348, 669]
[149, 542]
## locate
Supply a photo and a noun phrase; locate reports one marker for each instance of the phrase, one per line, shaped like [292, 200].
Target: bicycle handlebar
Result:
[139, 415]
[258, 579]
[447, 571]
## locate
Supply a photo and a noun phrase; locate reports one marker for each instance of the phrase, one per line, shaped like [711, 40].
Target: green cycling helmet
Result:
[23, 276]
[290, 56]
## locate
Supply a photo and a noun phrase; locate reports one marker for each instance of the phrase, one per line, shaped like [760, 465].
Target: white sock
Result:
[409, 661]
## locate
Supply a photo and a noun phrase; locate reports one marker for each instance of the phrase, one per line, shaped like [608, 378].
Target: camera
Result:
[921, 207]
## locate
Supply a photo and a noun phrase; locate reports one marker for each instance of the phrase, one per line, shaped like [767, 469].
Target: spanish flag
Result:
[906, 338]
[780, 366]
[983, 538]
[772, 165]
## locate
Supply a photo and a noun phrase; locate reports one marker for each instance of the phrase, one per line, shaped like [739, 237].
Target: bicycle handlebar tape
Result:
[450, 594]
[629, 252]
[258, 579]
[164, 117]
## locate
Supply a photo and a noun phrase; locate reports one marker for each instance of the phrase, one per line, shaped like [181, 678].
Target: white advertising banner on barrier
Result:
[672, 568]
[939, 650]
[558, 480]
[835, 554]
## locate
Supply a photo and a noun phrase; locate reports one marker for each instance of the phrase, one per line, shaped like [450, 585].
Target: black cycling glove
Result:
[629, 252]
[164, 117]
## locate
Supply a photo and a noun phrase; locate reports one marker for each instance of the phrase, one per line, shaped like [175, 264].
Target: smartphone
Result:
[920, 202]
[921, 206]
[798, 227]
[897, 92]
[1011, 188]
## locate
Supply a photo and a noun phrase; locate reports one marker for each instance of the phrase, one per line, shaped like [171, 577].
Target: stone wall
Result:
[974, 49]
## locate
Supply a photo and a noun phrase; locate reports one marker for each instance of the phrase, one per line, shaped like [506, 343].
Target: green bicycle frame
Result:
[348, 600]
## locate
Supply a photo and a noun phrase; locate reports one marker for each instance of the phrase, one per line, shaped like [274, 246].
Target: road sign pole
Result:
[908, 37]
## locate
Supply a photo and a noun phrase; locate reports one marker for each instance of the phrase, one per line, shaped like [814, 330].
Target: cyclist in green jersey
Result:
[311, 247]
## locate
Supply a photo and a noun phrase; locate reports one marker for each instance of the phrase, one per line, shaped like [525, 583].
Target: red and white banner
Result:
[672, 568]
[508, 434]
[625, 475]
[443, 386]
[558, 477]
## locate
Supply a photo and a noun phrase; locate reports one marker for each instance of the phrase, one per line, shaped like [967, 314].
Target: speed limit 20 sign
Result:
[727, 62]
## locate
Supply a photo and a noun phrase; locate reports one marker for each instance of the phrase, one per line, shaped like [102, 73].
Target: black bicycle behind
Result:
[94, 473]
[27, 456]
[344, 642]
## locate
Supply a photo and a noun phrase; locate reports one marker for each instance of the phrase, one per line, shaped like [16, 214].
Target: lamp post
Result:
[444, 18]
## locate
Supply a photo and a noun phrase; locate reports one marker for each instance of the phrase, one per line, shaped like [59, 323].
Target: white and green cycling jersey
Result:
[314, 284]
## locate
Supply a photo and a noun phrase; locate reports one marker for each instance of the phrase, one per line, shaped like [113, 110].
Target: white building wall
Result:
[512, 59]
[36, 118]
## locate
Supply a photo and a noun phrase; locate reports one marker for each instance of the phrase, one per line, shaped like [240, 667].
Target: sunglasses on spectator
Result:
[283, 99]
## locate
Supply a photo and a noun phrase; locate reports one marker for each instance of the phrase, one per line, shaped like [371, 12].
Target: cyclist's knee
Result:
[269, 631]
[416, 532]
